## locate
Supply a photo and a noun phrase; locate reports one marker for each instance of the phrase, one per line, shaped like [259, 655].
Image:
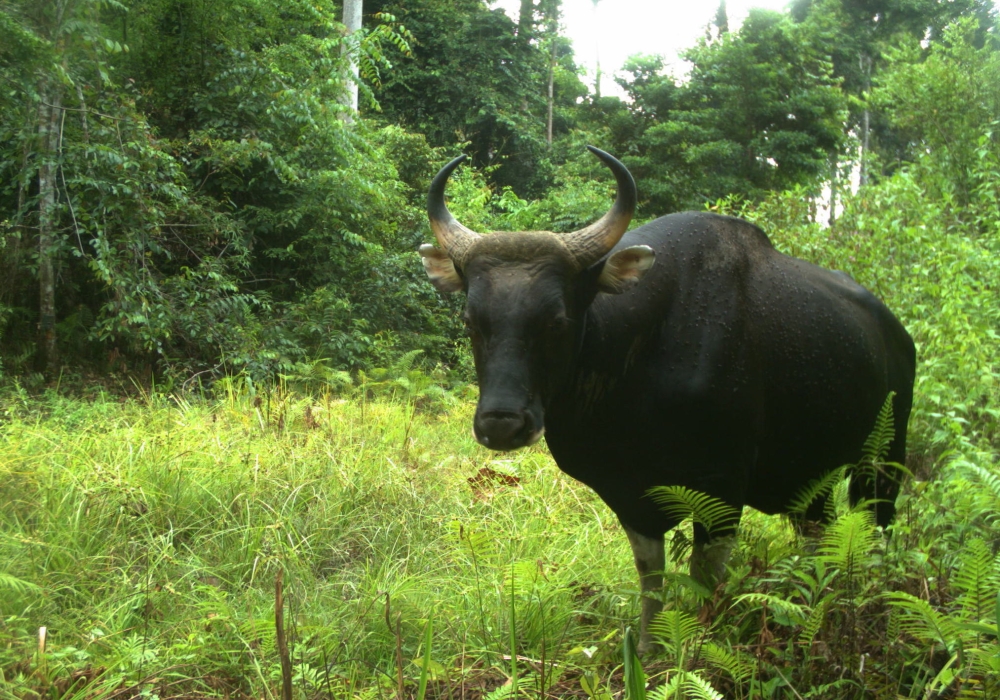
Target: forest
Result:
[235, 458]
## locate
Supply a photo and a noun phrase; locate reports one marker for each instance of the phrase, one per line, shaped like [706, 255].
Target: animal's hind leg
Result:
[649, 562]
[710, 554]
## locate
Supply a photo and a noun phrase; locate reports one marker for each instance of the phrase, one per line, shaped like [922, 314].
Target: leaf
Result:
[795, 613]
[922, 621]
[848, 542]
[635, 677]
[681, 503]
[675, 629]
[735, 663]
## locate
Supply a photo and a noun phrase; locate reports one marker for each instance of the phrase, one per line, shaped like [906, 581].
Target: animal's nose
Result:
[502, 430]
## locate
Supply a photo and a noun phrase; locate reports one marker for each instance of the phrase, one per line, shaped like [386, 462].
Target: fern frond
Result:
[736, 664]
[923, 622]
[675, 629]
[876, 447]
[976, 578]
[848, 541]
[812, 624]
[523, 577]
[17, 585]
[984, 676]
[796, 613]
[989, 478]
[405, 362]
[816, 489]
[686, 684]
[476, 543]
[682, 503]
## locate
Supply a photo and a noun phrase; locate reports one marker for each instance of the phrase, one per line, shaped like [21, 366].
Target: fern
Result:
[873, 456]
[976, 578]
[876, 447]
[989, 478]
[816, 489]
[523, 577]
[675, 630]
[681, 503]
[735, 664]
[812, 625]
[687, 684]
[920, 620]
[476, 543]
[984, 674]
[795, 613]
[848, 541]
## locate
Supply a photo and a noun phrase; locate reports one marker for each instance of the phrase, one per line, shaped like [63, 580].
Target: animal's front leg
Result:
[649, 562]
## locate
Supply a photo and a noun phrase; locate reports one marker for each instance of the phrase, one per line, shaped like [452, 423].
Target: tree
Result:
[473, 80]
[945, 102]
[57, 33]
[760, 111]
[352, 24]
[856, 35]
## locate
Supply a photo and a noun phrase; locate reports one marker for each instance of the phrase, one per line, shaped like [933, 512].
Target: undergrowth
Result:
[141, 540]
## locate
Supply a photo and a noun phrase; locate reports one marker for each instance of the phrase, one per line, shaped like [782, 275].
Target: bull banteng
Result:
[726, 367]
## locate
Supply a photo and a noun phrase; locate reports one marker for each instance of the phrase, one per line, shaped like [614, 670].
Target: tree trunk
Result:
[597, 58]
[865, 64]
[834, 182]
[49, 113]
[551, 103]
[352, 22]
[552, 29]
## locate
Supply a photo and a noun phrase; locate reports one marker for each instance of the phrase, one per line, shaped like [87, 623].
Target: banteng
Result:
[725, 367]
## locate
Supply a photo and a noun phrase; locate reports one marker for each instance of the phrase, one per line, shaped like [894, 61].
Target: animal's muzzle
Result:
[506, 430]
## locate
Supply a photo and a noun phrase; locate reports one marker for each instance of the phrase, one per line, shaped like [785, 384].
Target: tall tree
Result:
[526, 22]
[62, 32]
[760, 111]
[550, 18]
[722, 18]
[471, 80]
[857, 33]
[352, 24]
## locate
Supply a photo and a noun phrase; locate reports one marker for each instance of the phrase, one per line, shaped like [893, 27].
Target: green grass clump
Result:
[146, 536]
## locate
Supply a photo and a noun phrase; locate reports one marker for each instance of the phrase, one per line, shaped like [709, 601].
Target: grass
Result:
[146, 535]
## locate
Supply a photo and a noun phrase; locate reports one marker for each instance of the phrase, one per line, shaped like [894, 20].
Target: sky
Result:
[618, 29]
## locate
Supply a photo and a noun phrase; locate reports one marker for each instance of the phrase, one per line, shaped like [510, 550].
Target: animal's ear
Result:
[440, 269]
[624, 269]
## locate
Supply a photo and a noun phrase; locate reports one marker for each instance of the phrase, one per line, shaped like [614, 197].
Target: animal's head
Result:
[527, 296]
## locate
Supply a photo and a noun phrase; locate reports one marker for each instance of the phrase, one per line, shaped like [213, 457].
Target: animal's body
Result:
[725, 367]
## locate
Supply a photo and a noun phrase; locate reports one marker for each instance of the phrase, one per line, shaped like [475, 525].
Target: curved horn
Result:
[590, 244]
[453, 238]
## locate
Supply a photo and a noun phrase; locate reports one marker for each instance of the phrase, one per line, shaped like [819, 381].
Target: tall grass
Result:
[146, 535]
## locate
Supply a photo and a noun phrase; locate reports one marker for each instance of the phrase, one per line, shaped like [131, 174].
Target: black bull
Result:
[731, 369]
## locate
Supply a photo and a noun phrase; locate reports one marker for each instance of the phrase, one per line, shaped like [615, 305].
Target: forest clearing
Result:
[236, 457]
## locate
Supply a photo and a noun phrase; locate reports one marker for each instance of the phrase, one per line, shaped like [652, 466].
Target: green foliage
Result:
[681, 503]
[941, 104]
[760, 111]
[474, 80]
